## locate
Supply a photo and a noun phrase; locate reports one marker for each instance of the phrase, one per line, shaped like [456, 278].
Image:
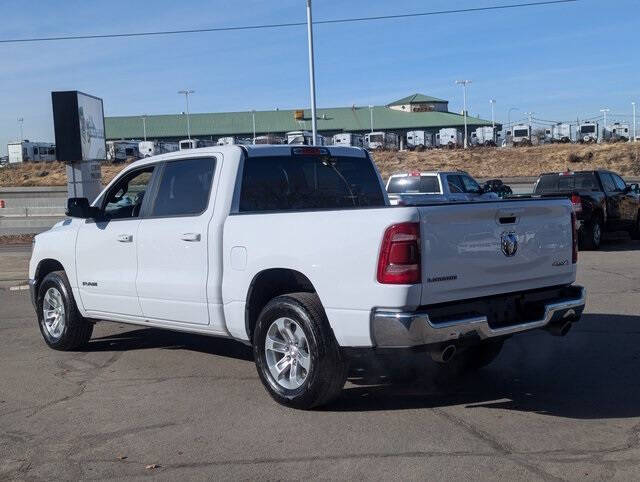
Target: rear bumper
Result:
[406, 329]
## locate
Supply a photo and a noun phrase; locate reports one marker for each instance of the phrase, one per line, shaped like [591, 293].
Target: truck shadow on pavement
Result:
[610, 245]
[146, 338]
[592, 373]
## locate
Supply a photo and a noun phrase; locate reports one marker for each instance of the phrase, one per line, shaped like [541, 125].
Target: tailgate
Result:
[480, 249]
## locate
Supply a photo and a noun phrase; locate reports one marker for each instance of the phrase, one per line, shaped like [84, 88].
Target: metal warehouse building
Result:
[415, 112]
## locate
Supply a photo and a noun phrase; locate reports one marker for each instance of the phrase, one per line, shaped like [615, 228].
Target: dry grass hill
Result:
[480, 163]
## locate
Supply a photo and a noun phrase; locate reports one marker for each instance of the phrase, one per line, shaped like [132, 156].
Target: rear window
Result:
[585, 181]
[413, 184]
[520, 133]
[284, 183]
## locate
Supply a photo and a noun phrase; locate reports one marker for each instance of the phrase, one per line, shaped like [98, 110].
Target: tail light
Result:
[399, 261]
[574, 239]
[576, 202]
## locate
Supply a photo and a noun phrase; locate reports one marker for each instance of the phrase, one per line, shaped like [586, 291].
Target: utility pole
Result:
[21, 122]
[371, 116]
[312, 75]
[464, 84]
[144, 126]
[253, 118]
[604, 127]
[493, 119]
[509, 119]
[186, 94]
[633, 104]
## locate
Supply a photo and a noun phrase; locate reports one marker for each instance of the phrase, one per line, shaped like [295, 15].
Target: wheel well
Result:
[268, 284]
[45, 267]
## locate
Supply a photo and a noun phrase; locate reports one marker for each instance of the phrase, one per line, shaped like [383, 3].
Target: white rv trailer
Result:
[155, 148]
[26, 151]
[232, 140]
[348, 139]
[120, 151]
[588, 132]
[483, 136]
[521, 135]
[617, 132]
[381, 140]
[268, 139]
[195, 143]
[419, 139]
[561, 132]
[451, 137]
[303, 137]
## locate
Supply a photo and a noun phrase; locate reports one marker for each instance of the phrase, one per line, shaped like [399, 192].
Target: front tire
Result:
[297, 356]
[61, 324]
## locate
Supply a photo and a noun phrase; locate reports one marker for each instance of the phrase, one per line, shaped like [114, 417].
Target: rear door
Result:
[615, 202]
[173, 245]
[628, 203]
[479, 249]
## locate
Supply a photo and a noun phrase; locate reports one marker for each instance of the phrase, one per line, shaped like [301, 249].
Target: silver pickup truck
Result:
[419, 188]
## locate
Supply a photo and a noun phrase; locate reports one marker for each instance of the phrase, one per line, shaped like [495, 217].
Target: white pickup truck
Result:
[296, 251]
[417, 188]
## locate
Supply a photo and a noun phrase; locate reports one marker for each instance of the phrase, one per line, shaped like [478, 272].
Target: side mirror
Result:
[634, 188]
[78, 207]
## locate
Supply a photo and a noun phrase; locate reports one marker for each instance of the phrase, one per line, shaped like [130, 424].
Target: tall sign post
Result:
[78, 121]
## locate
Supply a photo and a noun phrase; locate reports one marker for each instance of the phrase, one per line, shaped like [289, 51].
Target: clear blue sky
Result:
[558, 61]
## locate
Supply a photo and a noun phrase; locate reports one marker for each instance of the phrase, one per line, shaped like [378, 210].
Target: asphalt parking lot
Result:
[141, 402]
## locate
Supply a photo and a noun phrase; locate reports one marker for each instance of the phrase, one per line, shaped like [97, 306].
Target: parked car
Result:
[295, 251]
[497, 186]
[417, 188]
[601, 199]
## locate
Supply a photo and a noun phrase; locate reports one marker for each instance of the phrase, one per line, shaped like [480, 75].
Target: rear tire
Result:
[61, 324]
[318, 365]
[592, 236]
[635, 233]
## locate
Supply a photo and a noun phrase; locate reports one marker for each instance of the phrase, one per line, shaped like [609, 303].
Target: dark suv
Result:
[602, 201]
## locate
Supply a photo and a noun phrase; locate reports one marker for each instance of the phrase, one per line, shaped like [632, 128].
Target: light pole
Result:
[21, 122]
[509, 119]
[253, 118]
[312, 75]
[371, 116]
[633, 104]
[186, 94]
[464, 84]
[604, 127]
[144, 126]
[493, 119]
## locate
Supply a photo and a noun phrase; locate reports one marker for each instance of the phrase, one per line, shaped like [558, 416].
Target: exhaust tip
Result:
[560, 329]
[445, 354]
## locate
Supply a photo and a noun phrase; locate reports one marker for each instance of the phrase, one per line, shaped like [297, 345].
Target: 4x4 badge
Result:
[509, 244]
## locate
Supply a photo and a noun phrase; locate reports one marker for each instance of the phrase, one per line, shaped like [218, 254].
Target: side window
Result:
[620, 184]
[470, 185]
[455, 184]
[184, 188]
[124, 199]
[607, 182]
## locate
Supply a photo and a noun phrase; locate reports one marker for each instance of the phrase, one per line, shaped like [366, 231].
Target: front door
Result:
[106, 260]
[173, 254]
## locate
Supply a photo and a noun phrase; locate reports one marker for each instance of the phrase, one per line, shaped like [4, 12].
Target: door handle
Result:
[125, 238]
[190, 237]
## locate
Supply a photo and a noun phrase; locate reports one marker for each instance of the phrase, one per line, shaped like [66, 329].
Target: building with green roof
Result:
[420, 112]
